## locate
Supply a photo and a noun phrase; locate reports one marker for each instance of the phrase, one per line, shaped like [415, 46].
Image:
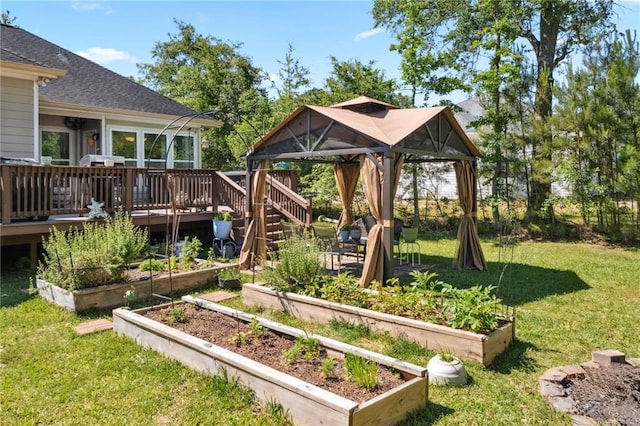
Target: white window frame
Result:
[141, 131]
[72, 142]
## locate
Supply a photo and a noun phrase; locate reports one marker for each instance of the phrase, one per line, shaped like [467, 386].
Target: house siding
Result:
[16, 118]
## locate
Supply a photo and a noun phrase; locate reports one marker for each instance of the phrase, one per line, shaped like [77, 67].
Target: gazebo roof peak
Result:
[364, 104]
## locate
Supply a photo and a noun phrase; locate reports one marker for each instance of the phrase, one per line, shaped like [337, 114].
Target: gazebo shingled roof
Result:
[344, 132]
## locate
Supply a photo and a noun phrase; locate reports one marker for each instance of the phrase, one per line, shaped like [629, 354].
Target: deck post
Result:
[128, 184]
[7, 188]
[213, 191]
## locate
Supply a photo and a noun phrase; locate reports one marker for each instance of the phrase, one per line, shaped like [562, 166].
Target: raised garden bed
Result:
[305, 403]
[464, 344]
[113, 295]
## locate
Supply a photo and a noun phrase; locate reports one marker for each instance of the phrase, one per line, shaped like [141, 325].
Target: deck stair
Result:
[282, 203]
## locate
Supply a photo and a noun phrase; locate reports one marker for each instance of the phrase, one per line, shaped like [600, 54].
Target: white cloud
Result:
[86, 5]
[274, 77]
[105, 55]
[367, 34]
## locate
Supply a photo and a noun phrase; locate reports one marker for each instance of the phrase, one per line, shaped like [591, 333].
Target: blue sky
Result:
[119, 34]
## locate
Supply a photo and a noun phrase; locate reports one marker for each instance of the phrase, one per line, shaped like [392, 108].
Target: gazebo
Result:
[371, 139]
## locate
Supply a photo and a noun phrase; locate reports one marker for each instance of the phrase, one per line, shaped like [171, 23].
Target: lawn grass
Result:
[570, 299]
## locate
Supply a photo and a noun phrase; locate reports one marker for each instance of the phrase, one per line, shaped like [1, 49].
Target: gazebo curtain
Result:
[373, 181]
[255, 239]
[346, 175]
[469, 254]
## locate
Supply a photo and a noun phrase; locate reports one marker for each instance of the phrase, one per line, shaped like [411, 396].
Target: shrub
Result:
[297, 265]
[190, 251]
[152, 264]
[232, 273]
[425, 298]
[96, 255]
[471, 309]
[345, 289]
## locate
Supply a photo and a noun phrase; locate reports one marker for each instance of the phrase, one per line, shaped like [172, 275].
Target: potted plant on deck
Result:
[222, 223]
[345, 231]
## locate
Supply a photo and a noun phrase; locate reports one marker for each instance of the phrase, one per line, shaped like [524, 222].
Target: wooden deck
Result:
[34, 199]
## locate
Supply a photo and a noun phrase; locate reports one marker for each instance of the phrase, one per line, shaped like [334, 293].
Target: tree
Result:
[7, 19]
[597, 113]
[349, 79]
[553, 29]
[206, 74]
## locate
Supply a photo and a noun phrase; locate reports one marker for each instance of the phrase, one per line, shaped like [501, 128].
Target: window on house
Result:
[183, 157]
[155, 150]
[125, 144]
[56, 146]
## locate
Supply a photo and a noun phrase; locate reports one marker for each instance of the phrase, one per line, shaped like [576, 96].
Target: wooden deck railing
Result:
[42, 191]
[39, 191]
[283, 199]
[295, 207]
[231, 194]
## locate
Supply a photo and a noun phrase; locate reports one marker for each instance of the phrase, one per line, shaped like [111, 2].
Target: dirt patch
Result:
[134, 274]
[608, 394]
[268, 347]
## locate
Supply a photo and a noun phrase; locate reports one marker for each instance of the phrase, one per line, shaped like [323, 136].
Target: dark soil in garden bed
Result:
[609, 395]
[134, 274]
[267, 348]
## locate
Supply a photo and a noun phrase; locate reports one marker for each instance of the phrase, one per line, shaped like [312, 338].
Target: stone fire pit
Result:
[603, 390]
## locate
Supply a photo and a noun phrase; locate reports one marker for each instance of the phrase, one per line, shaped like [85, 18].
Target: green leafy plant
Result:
[328, 367]
[344, 288]
[257, 329]
[472, 309]
[130, 295]
[297, 265]
[152, 264]
[190, 251]
[348, 227]
[361, 371]
[173, 263]
[306, 347]
[447, 355]
[240, 338]
[223, 215]
[96, 255]
[276, 411]
[229, 274]
[179, 314]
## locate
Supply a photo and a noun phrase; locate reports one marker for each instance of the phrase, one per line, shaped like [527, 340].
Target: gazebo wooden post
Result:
[388, 173]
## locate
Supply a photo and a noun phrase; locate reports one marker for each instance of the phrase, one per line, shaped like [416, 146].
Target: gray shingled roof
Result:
[86, 83]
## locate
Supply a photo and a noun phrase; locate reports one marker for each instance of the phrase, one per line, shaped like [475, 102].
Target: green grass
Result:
[570, 299]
